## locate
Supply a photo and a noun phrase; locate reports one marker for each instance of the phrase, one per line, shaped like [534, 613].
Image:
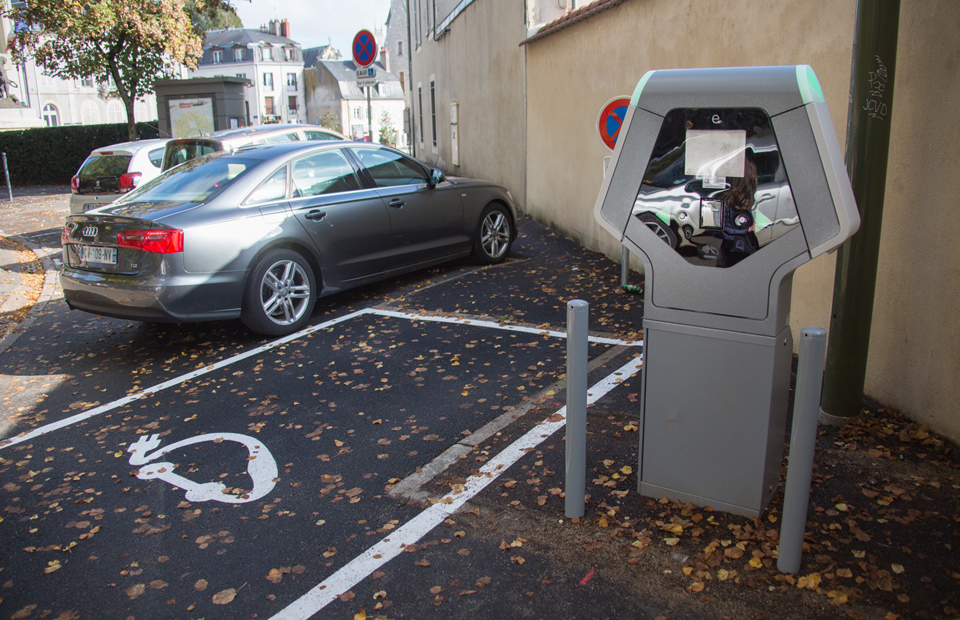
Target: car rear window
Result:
[196, 181]
[182, 151]
[104, 165]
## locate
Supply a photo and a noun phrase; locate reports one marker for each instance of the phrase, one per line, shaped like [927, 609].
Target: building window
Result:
[268, 106]
[420, 107]
[358, 113]
[268, 53]
[292, 104]
[399, 48]
[268, 80]
[86, 81]
[290, 53]
[238, 54]
[50, 115]
[217, 56]
[416, 23]
[291, 81]
[242, 75]
[433, 111]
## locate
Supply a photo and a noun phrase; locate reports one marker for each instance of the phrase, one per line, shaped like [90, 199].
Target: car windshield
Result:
[104, 165]
[194, 181]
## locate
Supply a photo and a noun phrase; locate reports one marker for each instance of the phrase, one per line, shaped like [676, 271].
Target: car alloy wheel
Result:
[285, 292]
[660, 229]
[280, 295]
[494, 236]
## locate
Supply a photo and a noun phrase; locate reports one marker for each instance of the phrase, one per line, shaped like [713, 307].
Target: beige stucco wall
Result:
[479, 64]
[914, 361]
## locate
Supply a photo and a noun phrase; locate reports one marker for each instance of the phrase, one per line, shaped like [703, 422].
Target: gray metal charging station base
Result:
[713, 428]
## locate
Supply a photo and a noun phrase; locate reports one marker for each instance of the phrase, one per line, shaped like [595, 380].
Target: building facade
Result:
[270, 59]
[535, 82]
[331, 88]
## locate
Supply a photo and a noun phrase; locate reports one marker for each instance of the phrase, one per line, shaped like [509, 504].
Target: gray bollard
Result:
[803, 440]
[6, 173]
[575, 484]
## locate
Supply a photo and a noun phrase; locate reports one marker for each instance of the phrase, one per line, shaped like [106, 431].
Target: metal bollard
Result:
[6, 173]
[578, 315]
[803, 440]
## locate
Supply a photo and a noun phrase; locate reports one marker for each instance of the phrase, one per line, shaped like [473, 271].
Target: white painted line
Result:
[506, 327]
[89, 413]
[415, 529]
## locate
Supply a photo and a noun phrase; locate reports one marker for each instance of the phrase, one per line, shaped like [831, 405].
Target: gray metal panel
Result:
[808, 181]
[625, 174]
[772, 88]
[713, 429]
[740, 291]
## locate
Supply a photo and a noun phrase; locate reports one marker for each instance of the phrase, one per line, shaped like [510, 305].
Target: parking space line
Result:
[419, 526]
[502, 326]
[90, 413]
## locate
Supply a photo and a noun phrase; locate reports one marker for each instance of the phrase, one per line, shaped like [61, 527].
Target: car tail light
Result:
[65, 234]
[162, 241]
[128, 181]
[75, 184]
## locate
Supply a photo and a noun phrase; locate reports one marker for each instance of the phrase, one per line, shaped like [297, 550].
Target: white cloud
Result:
[317, 22]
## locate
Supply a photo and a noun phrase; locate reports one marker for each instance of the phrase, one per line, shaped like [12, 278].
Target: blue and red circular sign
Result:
[611, 120]
[364, 48]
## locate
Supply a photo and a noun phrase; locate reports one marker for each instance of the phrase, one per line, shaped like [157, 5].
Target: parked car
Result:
[181, 150]
[679, 209]
[262, 233]
[111, 171]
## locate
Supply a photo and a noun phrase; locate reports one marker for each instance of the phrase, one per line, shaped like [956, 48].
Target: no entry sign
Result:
[611, 119]
[364, 48]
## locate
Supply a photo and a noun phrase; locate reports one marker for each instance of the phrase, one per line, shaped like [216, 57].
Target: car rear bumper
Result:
[81, 203]
[170, 299]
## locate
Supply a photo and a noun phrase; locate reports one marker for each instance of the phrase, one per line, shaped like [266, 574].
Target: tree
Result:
[131, 42]
[388, 134]
[329, 120]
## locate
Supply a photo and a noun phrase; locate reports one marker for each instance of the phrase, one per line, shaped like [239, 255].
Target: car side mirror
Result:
[436, 177]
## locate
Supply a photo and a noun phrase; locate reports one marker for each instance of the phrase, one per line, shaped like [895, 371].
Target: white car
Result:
[111, 171]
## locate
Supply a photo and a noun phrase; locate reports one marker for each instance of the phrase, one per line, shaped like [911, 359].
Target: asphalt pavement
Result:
[404, 458]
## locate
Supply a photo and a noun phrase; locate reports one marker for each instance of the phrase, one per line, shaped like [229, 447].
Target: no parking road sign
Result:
[611, 119]
[364, 48]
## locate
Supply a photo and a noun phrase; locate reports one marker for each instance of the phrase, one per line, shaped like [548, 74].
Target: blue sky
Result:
[315, 22]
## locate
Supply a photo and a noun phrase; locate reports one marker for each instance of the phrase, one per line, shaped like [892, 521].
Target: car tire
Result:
[494, 235]
[660, 229]
[280, 294]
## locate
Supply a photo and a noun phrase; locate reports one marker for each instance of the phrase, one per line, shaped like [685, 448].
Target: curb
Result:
[50, 289]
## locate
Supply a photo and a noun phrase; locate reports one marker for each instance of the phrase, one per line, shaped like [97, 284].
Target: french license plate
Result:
[91, 205]
[96, 254]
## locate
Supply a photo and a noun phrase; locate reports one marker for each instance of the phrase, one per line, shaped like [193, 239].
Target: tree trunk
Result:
[131, 121]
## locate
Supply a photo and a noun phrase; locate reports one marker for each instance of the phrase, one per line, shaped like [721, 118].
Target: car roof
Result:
[225, 134]
[129, 148]
[268, 151]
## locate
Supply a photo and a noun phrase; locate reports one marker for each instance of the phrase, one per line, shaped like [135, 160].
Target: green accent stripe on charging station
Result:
[809, 85]
[636, 91]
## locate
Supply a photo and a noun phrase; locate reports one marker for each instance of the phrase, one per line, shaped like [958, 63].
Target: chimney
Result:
[385, 58]
[274, 27]
[285, 29]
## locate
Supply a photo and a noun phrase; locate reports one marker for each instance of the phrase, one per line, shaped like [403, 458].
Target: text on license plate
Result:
[95, 254]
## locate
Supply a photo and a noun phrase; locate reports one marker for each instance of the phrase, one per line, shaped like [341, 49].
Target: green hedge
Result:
[51, 155]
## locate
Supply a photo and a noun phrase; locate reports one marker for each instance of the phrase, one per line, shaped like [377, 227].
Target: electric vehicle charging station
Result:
[723, 182]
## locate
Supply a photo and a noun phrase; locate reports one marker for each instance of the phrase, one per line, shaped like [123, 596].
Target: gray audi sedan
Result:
[262, 232]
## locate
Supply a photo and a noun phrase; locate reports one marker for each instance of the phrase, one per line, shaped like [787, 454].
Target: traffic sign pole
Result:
[364, 54]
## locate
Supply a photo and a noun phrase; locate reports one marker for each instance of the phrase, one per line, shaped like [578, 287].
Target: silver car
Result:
[111, 171]
[262, 233]
[181, 150]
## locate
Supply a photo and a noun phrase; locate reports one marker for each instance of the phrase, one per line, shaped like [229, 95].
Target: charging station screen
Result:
[715, 189]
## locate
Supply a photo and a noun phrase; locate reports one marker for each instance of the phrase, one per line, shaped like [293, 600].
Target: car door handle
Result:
[315, 216]
[396, 203]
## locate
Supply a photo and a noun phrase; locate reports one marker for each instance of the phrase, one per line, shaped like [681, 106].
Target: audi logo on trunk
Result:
[89, 231]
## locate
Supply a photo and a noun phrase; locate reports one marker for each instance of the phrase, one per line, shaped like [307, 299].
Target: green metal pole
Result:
[868, 141]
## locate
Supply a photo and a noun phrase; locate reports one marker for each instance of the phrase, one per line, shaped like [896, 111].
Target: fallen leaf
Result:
[224, 596]
[360, 615]
[136, 590]
[201, 585]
